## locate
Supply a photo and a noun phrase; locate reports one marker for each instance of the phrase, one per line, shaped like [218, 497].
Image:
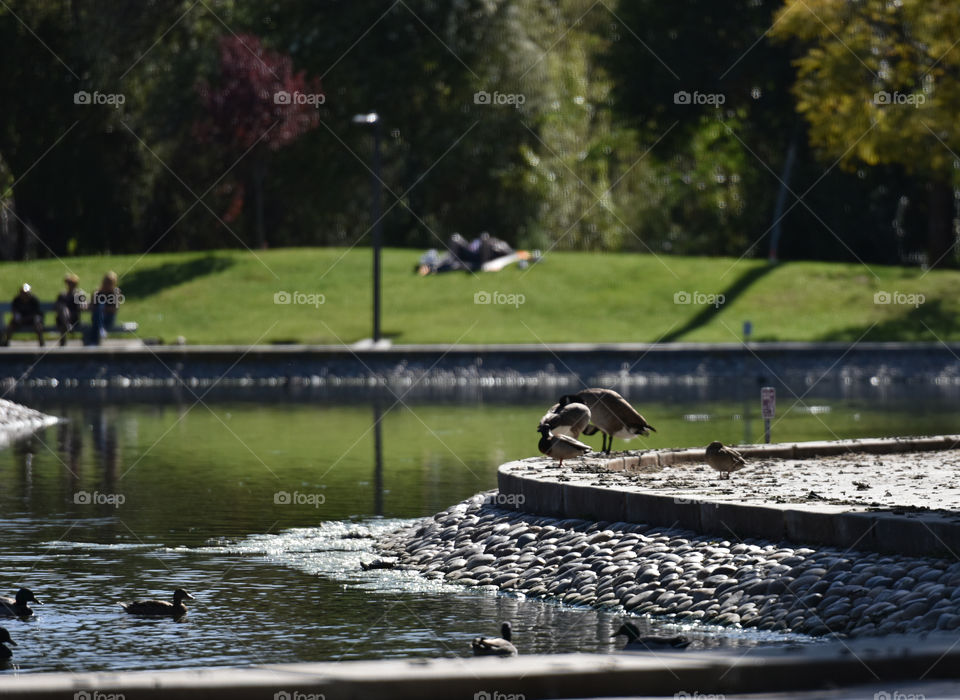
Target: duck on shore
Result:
[18, 605]
[495, 646]
[611, 414]
[560, 447]
[159, 608]
[724, 459]
[569, 419]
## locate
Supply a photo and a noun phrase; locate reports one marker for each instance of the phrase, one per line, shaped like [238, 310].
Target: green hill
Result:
[230, 297]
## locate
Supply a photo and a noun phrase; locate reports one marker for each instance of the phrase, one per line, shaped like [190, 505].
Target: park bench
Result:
[50, 308]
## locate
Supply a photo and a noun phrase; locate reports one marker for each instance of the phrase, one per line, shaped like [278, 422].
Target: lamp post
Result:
[374, 118]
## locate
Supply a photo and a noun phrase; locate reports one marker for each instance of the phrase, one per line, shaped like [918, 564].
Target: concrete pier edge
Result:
[888, 530]
[899, 660]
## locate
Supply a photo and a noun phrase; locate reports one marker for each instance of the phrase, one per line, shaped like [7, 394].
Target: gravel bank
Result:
[908, 481]
[18, 421]
[675, 573]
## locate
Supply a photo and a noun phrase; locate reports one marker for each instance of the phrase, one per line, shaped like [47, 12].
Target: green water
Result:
[246, 505]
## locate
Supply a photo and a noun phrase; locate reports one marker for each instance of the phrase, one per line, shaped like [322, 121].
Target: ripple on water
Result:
[334, 550]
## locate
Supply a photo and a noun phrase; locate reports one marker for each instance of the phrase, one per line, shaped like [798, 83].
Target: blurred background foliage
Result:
[593, 150]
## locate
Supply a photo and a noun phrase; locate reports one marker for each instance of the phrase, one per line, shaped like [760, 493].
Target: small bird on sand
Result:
[567, 420]
[17, 607]
[159, 608]
[495, 646]
[560, 446]
[611, 414]
[5, 639]
[636, 642]
[724, 459]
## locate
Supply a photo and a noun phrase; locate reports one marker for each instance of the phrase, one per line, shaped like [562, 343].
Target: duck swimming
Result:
[160, 608]
[636, 642]
[17, 607]
[495, 646]
[5, 639]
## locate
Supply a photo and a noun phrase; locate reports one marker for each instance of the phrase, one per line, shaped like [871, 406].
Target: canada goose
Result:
[5, 639]
[566, 420]
[17, 607]
[495, 646]
[560, 446]
[611, 414]
[635, 642]
[724, 459]
[159, 607]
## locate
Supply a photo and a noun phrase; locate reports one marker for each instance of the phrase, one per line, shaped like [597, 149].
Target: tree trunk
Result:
[782, 193]
[940, 237]
[259, 173]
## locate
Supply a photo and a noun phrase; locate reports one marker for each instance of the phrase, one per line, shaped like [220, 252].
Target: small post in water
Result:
[768, 409]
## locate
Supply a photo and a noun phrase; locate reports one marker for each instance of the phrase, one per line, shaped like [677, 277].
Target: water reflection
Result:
[377, 457]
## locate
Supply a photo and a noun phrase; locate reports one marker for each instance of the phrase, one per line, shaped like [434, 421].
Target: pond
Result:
[264, 509]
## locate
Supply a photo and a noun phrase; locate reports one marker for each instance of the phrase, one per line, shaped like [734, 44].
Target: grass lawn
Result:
[229, 297]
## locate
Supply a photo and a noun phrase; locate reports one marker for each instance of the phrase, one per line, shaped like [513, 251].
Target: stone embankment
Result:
[680, 575]
[18, 421]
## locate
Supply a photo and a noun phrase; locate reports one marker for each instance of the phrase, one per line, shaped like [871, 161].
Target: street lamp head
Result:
[370, 118]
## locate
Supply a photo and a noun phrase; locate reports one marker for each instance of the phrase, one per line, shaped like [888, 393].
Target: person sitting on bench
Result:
[68, 307]
[26, 313]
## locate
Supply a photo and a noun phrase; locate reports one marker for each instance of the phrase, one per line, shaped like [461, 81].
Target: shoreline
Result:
[18, 422]
[680, 575]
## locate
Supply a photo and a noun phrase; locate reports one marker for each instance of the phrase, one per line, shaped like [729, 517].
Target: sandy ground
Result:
[909, 482]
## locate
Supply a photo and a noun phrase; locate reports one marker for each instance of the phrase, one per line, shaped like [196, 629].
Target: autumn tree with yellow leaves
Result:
[878, 81]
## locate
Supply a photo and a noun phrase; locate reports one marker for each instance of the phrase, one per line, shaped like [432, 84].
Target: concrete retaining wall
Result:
[913, 534]
[892, 660]
[637, 364]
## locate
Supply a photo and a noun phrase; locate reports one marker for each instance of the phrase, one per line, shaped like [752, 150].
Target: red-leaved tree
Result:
[258, 105]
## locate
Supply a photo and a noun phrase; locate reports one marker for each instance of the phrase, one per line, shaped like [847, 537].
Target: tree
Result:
[258, 105]
[69, 159]
[710, 149]
[879, 83]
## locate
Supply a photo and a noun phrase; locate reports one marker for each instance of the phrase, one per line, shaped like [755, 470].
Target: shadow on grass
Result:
[929, 321]
[706, 314]
[146, 281]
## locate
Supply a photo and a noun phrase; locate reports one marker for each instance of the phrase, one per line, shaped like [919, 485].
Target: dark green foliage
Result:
[590, 152]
